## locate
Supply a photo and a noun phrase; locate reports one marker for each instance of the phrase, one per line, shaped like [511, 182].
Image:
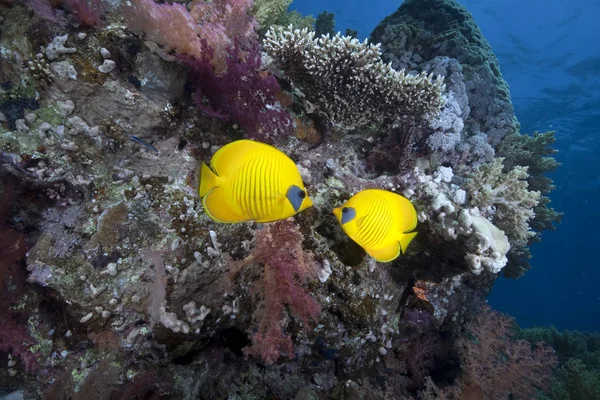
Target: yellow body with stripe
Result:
[379, 221]
[251, 181]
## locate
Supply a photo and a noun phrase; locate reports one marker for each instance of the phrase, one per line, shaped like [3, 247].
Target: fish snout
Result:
[308, 202]
[337, 212]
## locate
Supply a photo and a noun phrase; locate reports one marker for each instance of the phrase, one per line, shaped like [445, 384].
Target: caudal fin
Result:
[405, 240]
[208, 180]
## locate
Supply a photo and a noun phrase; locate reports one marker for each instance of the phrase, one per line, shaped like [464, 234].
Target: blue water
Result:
[549, 52]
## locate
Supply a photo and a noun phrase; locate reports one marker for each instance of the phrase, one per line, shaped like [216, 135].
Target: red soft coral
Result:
[496, 366]
[286, 266]
[13, 334]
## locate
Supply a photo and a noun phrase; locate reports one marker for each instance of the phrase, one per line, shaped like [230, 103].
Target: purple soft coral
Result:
[241, 94]
[85, 12]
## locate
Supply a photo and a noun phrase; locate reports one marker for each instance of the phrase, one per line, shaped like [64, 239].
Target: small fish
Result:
[141, 141]
[251, 181]
[379, 221]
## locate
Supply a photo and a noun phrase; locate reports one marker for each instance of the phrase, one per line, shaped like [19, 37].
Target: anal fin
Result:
[385, 254]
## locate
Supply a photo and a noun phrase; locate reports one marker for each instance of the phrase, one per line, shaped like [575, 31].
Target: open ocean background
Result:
[549, 53]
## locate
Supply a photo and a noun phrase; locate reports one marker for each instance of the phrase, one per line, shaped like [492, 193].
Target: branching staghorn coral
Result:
[347, 81]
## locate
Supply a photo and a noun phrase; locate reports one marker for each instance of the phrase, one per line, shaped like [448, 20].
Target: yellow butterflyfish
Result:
[379, 221]
[251, 181]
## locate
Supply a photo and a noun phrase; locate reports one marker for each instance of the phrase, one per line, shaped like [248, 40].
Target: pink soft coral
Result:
[286, 266]
[218, 43]
[172, 25]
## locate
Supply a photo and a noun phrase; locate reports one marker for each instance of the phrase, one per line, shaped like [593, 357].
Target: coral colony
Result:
[116, 284]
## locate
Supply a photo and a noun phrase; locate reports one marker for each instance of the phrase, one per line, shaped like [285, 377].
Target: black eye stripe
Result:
[348, 214]
[296, 196]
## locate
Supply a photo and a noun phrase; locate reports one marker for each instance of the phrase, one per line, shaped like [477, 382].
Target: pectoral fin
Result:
[278, 206]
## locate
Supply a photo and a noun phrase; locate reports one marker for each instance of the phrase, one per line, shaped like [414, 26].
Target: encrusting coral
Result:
[422, 30]
[451, 215]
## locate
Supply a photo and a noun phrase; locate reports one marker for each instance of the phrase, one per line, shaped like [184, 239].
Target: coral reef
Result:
[217, 42]
[83, 12]
[267, 12]
[276, 13]
[422, 30]
[325, 24]
[495, 364]
[115, 282]
[535, 153]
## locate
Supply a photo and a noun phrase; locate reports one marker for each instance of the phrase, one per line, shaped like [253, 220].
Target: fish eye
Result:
[345, 210]
[302, 194]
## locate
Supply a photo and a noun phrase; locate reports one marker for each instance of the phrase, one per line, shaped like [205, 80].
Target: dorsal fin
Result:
[234, 153]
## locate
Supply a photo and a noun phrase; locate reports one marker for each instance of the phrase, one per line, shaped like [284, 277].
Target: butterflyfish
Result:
[379, 221]
[251, 181]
